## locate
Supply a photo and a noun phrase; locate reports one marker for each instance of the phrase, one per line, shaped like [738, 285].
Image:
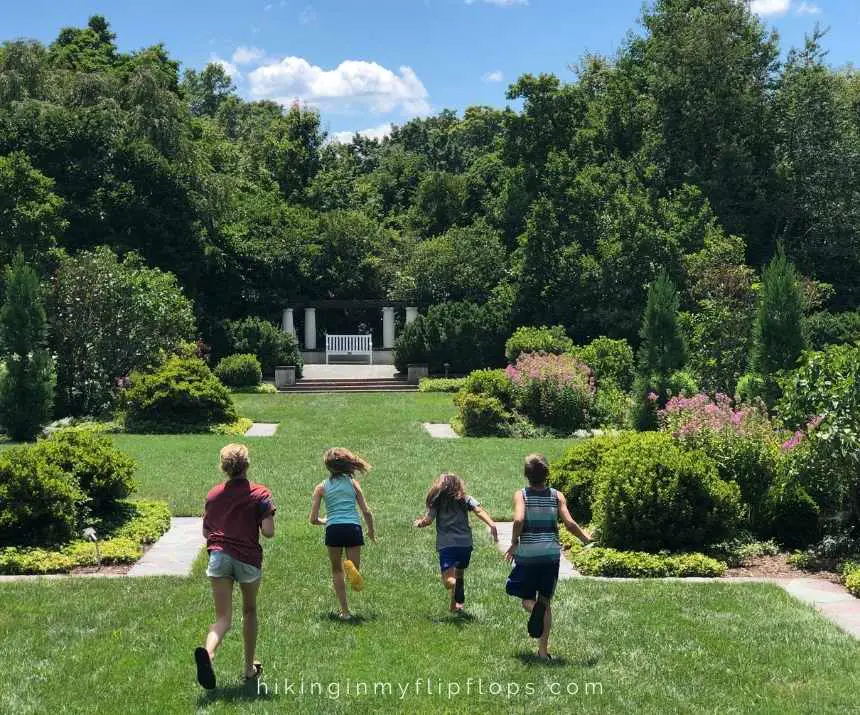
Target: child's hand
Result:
[495, 534]
[419, 522]
[372, 536]
[510, 553]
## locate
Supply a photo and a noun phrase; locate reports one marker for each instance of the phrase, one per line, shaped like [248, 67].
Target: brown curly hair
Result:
[341, 461]
[446, 486]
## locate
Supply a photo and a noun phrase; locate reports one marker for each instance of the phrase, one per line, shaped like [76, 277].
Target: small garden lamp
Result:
[447, 367]
[90, 535]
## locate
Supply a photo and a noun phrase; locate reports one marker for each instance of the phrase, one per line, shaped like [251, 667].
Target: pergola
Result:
[310, 323]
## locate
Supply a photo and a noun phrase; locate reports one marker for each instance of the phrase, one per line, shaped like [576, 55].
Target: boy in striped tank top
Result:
[535, 548]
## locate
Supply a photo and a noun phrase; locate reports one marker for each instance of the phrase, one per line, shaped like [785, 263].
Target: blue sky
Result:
[367, 63]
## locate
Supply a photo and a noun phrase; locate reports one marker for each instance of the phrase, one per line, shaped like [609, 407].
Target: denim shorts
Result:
[454, 557]
[527, 581]
[223, 565]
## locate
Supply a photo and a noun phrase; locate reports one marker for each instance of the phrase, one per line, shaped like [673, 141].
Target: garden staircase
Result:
[351, 385]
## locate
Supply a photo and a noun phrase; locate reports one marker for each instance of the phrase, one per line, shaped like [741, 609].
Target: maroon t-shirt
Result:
[233, 514]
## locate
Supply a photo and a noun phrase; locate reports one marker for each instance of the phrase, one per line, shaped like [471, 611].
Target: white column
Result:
[310, 328]
[288, 324]
[388, 328]
[411, 314]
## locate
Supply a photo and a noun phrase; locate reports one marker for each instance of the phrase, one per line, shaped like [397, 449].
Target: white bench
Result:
[349, 345]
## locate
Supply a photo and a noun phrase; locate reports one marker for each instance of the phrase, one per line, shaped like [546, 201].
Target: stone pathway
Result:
[174, 553]
[262, 429]
[440, 430]
[832, 600]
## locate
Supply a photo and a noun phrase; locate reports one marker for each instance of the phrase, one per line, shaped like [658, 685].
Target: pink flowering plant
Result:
[555, 391]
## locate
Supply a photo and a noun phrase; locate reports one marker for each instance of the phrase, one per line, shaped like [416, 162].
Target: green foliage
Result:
[441, 384]
[27, 382]
[851, 578]
[265, 388]
[103, 473]
[681, 383]
[750, 388]
[574, 474]
[38, 502]
[181, 396]
[542, 339]
[639, 564]
[233, 429]
[610, 360]
[492, 383]
[791, 516]
[611, 408]
[740, 551]
[109, 318]
[481, 416]
[240, 370]
[654, 495]
[778, 338]
[823, 329]
[134, 523]
[272, 346]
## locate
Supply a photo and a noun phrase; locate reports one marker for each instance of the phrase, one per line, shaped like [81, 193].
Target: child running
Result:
[449, 505]
[236, 512]
[343, 500]
[535, 548]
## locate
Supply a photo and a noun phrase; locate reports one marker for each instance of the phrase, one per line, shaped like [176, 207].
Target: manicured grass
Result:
[125, 645]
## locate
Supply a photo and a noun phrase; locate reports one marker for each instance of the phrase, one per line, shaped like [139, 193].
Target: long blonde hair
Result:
[447, 486]
[339, 460]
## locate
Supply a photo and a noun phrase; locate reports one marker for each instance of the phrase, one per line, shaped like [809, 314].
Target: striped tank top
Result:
[539, 538]
[340, 503]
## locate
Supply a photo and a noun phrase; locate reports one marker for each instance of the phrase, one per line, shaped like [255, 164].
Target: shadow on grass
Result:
[244, 691]
[527, 658]
[356, 620]
[458, 620]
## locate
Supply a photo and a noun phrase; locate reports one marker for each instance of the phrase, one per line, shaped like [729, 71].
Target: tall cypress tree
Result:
[26, 387]
[778, 337]
[661, 353]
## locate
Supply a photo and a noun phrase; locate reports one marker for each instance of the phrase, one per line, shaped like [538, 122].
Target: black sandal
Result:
[535, 626]
[258, 671]
[205, 673]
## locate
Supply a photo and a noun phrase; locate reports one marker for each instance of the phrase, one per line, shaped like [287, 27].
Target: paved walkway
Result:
[832, 600]
[174, 553]
[347, 372]
[440, 430]
[262, 429]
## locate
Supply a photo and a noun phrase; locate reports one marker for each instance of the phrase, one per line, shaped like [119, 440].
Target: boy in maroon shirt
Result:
[237, 511]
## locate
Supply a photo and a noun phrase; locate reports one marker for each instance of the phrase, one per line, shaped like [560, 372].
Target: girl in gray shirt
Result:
[449, 506]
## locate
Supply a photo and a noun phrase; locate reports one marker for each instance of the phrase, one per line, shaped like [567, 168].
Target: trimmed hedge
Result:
[441, 384]
[654, 495]
[239, 370]
[134, 524]
[851, 578]
[265, 388]
[490, 383]
[610, 360]
[182, 396]
[481, 416]
[543, 339]
[267, 341]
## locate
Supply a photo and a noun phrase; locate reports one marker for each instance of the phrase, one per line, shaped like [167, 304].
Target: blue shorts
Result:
[344, 535]
[455, 557]
[528, 580]
[223, 565]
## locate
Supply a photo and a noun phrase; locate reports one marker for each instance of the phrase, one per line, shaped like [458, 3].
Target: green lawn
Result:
[91, 645]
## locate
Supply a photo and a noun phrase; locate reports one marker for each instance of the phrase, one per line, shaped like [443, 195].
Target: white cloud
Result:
[247, 55]
[380, 132]
[228, 67]
[808, 8]
[352, 85]
[496, 76]
[500, 3]
[770, 7]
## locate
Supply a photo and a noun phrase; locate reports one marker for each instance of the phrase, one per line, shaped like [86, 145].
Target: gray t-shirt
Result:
[452, 521]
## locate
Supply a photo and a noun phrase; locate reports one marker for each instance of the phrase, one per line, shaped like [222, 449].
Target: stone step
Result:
[320, 390]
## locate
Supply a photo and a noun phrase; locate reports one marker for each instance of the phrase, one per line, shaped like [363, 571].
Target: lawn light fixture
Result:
[90, 535]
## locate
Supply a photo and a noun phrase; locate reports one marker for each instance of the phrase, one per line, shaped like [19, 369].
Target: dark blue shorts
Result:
[528, 580]
[344, 535]
[455, 557]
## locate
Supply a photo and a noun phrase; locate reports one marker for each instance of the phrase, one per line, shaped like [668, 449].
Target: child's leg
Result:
[459, 586]
[335, 555]
[222, 595]
[449, 578]
[543, 643]
[353, 553]
[249, 623]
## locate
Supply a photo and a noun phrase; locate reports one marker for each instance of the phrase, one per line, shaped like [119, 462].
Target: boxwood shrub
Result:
[610, 360]
[543, 339]
[851, 577]
[654, 495]
[599, 561]
[182, 396]
[481, 416]
[790, 515]
[239, 370]
[441, 384]
[490, 383]
[267, 341]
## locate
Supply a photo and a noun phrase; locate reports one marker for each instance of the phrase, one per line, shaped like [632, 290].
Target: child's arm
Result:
[423, 521]
[267, 527]
[365, 510]
[519, 520]
[569, 523]
[315, 517]
[488, 520]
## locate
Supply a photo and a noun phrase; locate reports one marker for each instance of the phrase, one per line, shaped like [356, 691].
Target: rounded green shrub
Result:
[38, 502]
[491, 383]
[268, 342]
[610, 360]
[653, 495]
[682, 383]
[182, 396]
[541, 339]
[239, 370]
[791, 516]
[851, 578]
[575, 472]
[611, 407]
[750, 388]
[481, 416]
[103, 473]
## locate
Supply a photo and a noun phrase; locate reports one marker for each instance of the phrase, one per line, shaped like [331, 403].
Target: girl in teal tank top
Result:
[343, 500]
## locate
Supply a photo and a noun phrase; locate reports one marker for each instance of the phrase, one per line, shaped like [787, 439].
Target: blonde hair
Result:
[235, 460]
[447, 486]
[536, 468]
[341, 461]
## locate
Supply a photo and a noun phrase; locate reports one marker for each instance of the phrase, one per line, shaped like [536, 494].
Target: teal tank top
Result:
[539, 541]
[340, 501]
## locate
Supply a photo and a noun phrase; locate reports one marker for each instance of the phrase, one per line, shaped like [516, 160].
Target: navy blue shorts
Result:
[528, 580]
[455, 557]
[344, 535]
